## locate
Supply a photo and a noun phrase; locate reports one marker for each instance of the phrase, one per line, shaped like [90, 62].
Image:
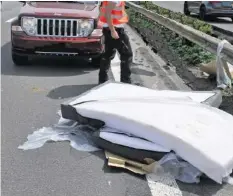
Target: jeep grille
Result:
[60, 28]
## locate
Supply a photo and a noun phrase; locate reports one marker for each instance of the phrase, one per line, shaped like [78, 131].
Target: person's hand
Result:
[114, 34]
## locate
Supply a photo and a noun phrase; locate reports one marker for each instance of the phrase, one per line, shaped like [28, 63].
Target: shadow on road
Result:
[42, 67]
[69, 91]
[213, 20]
[142, 72]
[220, 21]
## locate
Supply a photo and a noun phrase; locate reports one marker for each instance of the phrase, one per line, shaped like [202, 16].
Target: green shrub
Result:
[179, 17]
[186, 50]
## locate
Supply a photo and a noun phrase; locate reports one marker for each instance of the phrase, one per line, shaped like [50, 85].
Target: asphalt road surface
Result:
[177, 6]
[31, 97]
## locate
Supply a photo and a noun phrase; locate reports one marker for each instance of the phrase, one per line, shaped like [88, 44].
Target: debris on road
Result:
[79, 136]
[224, 78]
[136, 167]
[222, 69]
[170, 163]
[182, 132]
[210, 68]
[180, 169]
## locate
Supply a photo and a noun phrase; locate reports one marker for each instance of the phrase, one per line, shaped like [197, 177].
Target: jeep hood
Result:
[60, 9]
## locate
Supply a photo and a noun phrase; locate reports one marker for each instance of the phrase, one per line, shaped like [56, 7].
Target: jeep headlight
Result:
[29, 25]
[86, 27]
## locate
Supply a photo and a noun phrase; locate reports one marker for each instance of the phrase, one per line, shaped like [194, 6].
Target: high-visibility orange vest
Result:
[119, 15]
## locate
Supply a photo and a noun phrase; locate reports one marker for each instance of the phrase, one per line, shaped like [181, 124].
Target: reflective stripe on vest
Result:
[119, 15]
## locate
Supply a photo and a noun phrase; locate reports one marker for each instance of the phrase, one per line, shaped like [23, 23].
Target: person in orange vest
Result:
[113, 17]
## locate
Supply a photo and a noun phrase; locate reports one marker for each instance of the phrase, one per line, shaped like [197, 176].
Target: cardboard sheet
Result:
[136, 167]
[211, 68]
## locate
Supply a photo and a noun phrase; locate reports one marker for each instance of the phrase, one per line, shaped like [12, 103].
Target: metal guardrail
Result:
[205, 41]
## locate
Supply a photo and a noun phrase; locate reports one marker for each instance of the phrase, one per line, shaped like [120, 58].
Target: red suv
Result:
[65, 28]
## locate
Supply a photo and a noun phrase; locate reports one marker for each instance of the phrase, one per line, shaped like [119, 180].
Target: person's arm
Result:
[111, 5]
[108, 14]
[98, 18]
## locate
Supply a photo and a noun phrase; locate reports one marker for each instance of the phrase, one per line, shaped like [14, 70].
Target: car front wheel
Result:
[19, 60]
[186, 9]
[202, 13]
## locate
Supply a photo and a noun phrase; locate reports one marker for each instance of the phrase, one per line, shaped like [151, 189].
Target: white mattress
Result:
[200, 134]
[112, 90]
[130, 141]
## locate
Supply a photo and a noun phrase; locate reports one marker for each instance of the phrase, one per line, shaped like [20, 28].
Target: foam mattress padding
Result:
[116, 137]
[200, 134]
[119, 91]
[127, 152]
[69, 112]
[115, 90]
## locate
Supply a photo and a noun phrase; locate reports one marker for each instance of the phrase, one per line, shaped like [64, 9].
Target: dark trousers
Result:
[122, 45]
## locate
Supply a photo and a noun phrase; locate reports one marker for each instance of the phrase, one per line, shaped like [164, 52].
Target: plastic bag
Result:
[180, 169]
[228, 180]
[80, 137]
[223, 76]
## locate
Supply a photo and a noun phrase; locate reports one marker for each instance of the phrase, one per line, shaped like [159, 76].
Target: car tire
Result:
[232, 19]
[186, 9]
[202, 13]
[96, 62]
[19, 60]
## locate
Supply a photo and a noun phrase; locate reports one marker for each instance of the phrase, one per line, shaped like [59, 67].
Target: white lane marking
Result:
[115, 67]
[11, 20]
[163, 184]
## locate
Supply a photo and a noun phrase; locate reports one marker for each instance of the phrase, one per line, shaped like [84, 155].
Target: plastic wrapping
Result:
[228, 180]
[80, 137]
[223, 73]
[180, 169]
